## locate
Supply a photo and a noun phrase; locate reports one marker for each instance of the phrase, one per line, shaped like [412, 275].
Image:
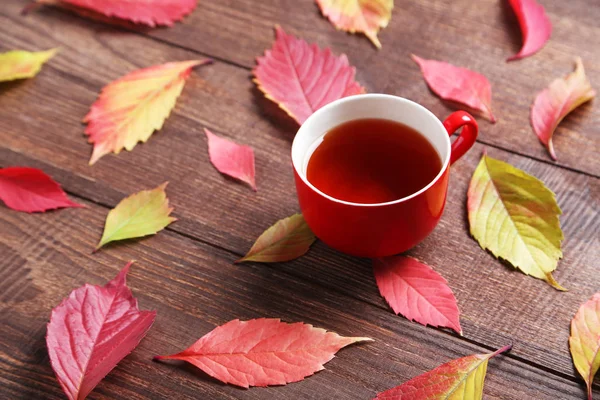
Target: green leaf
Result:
[289, 238]
[21, 64]
[141, 214]
[516, 217]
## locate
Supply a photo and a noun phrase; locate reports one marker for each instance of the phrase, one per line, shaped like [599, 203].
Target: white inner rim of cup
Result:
[382, 106]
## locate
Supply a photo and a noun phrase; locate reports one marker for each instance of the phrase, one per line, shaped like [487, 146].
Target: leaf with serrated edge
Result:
[31, 190]
[516, 217]
[231, 159]
[554, 103]
[585, 340]
[263, 352]
[288, 239]
[462, 378]
[131, 108]
[302, 78]
[20, 64]
[535, 26]
[141, 214]
[147, 12]
[416, 291]
[364, 16]
[91, 331]
[458, 85]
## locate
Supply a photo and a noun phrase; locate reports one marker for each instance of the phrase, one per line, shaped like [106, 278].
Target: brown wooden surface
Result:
[186, 272]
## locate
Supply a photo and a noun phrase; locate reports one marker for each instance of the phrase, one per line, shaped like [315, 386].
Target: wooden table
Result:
[186, 272]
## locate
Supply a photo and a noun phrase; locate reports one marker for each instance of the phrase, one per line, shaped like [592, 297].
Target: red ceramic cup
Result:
[384, 229]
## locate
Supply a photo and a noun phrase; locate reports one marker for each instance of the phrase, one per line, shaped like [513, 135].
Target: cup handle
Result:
[467, 137]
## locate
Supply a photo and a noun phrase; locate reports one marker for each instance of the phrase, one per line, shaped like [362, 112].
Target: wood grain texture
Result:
[479, 37]
[194, 288]
[42, 260]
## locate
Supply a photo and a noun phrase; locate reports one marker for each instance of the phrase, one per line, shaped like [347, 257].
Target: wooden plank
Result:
[194, 288]
[480, 38]
[218, 211]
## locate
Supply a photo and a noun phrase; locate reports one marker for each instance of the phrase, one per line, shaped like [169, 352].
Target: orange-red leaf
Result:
[231, 158]
[462, 379]
[288, 239]
[416, 291]
[459, 85]
[559, 99]
[263, 352]
[147, 12]
[584, 341]
[536, 28]
[302, 78]
[365, 16]
[131, 108]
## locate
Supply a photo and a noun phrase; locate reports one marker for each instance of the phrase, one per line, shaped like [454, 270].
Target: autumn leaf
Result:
[288, 239]
[302, 78]
[416, 291]
[557, 101]
[231, 159]
[459, 85]
[364, 16]
[147, 12]
[516, 217]
[535, 26]
[91, 331]
[462, 378]
[131, 108]
[263, 352]
[20, 64]
[31, 190]
[141, 214]
[585, 340]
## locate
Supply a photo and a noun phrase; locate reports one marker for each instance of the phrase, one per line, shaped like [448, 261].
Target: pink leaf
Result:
[555, 102]
[535, 26]
[302, 78]
[263, 352]
[459, 85]
[416, 291]
[231, 159]
[147, 12]
[91, 331]
[31, 190]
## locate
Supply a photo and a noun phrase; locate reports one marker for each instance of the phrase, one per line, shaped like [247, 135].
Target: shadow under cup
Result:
[371, 230]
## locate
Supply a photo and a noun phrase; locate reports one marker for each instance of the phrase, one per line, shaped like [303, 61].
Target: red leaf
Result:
[302, 78]
[555, 102]
[231, 159]
[416, 291]
[459, 85]
[31, 190]
[147, 12]
[91, 331]
[535, 26]
[263, 352]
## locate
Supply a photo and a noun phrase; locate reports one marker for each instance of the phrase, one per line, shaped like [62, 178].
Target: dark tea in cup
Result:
[372, 161]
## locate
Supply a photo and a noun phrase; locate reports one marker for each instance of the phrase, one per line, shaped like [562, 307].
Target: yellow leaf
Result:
[20, 64]
[585, 340]
[131, 108]
[365, 16]
[516, 217]
[288, 239]
[141, 214]
[460, 379]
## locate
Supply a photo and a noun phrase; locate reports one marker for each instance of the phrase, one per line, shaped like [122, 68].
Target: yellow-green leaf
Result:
[460, 379]
[141, 214]
[21, 64]
[131, 108]
[516, 217]
[585, 340]
[289, 238]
